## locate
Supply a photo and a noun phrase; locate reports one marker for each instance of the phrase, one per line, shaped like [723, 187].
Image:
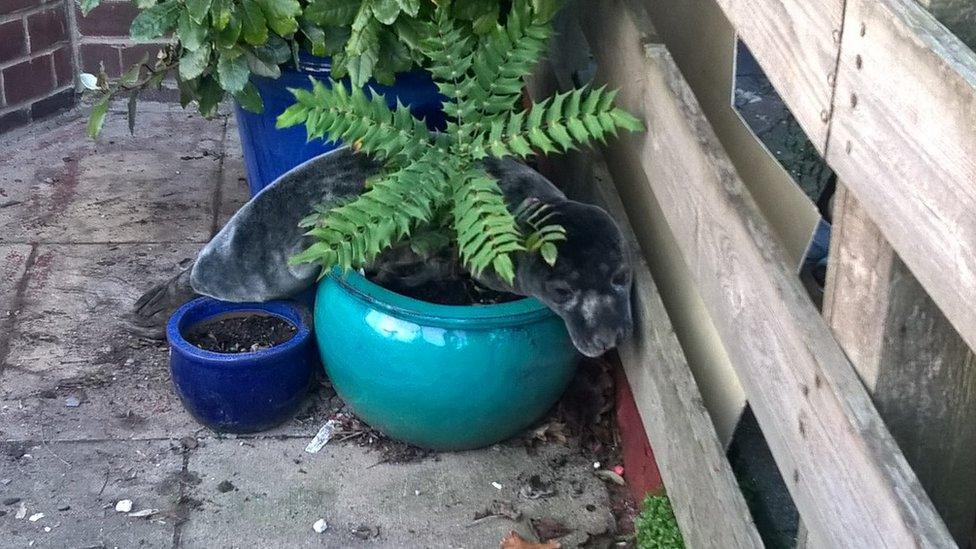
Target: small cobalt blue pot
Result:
[240, 392]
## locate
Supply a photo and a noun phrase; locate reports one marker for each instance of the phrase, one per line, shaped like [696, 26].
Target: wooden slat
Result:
[921, 375]
[850, 482]
[796, 42]
[703, 490]
[903, 138]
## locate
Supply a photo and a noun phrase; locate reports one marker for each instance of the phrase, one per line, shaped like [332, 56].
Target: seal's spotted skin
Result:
[588, 287]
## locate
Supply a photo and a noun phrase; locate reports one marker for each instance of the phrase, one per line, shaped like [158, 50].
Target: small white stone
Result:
[21, 511]
[320, 526]
[47, 528]
[36, 517]
[596, 465]
[496, 485]
[124, 506]
[416, 492]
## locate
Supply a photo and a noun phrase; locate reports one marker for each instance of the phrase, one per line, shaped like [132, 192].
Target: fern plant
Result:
[435, 180]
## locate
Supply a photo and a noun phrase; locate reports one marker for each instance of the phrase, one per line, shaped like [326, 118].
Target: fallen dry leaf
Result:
[515, 541]
[549, 528]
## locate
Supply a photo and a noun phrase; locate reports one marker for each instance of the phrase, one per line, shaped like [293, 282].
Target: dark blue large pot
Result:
[240, 392]
[270, 152]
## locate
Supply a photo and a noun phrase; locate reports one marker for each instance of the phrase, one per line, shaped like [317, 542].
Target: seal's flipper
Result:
[150, 313]
[248, 259]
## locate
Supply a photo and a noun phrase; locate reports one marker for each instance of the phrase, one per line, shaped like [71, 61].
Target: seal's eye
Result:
[560, 291]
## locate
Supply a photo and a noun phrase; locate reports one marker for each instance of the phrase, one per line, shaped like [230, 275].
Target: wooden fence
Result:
[870, 408]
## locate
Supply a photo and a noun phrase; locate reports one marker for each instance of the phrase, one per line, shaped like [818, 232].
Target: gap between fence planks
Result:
[848, 478]
[699, 481]
[796, 43]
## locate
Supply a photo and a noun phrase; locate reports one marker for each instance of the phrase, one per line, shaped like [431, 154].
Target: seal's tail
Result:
[150, 312]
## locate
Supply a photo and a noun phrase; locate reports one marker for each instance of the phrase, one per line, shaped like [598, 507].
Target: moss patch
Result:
[656, 527]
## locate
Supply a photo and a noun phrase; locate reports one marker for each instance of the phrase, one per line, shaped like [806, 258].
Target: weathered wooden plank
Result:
[796, 43]
[903, 138]
[704, 492]
[701, 39]
[850, 482]
[709, 363]
[920, 373]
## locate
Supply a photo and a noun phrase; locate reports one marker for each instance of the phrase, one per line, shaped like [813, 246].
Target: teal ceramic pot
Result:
[440, 376]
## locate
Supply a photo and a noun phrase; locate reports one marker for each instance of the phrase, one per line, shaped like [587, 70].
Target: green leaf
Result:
[88, 5]
[260, 65]
[316, 38]
[255, 25]
[198, 10]
[281, 15]
[233, 72]
[155, 21]
[210, 96]
[227, 38]
[250, 99]
[131, 76]
[97, 117]
[386, 11]
[220, 12]
[410, 7]
[336, 13]
[191, 34]
[194, 63]
[131, 111]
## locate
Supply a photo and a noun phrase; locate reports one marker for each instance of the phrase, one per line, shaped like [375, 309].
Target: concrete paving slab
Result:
[234, 192]
[68, 188]
[13, 262]
[76, 487]
[68, 341]
[268, 493]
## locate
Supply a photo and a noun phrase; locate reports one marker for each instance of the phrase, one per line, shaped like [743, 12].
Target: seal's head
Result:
[589, 286]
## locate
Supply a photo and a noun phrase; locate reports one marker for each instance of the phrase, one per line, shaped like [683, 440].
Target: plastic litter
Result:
[320, 526]
[322, 437]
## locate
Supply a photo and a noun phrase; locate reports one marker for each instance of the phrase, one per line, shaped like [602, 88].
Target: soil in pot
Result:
[436, 278]
[240, 333]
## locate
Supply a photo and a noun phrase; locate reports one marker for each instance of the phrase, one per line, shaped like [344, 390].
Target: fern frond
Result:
[449, 50]
[367, 124]
[505, 56]
[540, 235]
[487, 233]
[566, 120]
[353, 234]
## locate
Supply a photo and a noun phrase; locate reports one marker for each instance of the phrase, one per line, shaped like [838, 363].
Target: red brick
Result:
[50, 105]
[27, 80]
[13, 42]
[10, 6]
[64, 71]
[108, 19]
[14, 119]
[93, 54]
[47, 28]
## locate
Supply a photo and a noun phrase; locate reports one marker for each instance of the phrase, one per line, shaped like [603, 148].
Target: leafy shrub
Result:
[435, 180]
[218, 44]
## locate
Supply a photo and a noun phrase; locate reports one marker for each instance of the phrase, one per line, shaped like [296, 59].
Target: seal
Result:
[247, 261]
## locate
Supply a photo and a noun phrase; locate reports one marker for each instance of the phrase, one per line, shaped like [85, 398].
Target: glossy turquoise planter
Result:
[440, 376]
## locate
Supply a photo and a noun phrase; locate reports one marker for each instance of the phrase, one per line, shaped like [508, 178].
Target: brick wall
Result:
[103, 37]
[36, 60]
[45, 43]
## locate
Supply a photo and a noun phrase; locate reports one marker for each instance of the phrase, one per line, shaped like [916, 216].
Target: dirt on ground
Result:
[240, 333]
